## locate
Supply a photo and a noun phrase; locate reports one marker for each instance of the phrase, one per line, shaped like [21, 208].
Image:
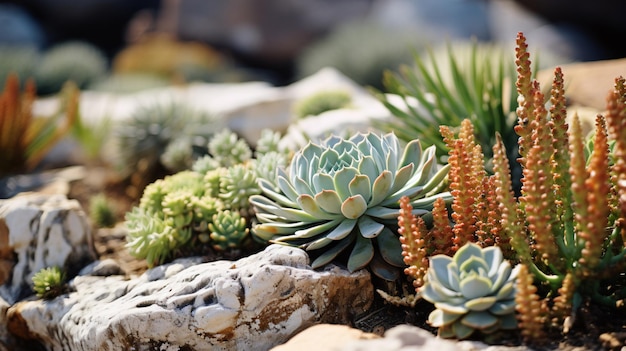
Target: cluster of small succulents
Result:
[49, 283]
[322, 101]
[342, 195]
[192, 211]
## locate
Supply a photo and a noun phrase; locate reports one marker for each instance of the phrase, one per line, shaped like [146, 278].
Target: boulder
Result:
[254, 303]
[39, 231]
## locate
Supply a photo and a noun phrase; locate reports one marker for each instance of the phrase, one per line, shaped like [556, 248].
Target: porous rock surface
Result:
[254, 303]
[39, 231]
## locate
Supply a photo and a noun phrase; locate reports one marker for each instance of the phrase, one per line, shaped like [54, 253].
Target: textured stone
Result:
[324, 337]
[39, 231]
[6, 339]
[254, 303]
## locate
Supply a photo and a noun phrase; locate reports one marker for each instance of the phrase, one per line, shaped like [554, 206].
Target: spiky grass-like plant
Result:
[24, 138]
[442, 89]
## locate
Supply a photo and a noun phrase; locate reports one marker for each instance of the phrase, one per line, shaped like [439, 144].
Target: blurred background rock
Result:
[282, 40]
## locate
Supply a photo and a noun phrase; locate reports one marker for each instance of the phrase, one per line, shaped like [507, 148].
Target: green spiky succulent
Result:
[267, 164]
[228, 230]
[76, 61]
[472, 291]
[238, 183]
[49, 283]
[178, 155]
[228, 149]
[148, 133]
[101, 211]
[321, 102]
[344, 193]
[268, 141]
[163, 221]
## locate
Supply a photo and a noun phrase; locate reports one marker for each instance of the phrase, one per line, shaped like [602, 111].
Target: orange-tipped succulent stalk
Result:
[564, 228]
[567, 227]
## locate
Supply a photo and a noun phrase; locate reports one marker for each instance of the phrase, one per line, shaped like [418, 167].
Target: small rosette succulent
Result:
[49, 283]
[472, 291]
[228, 230]
[344, 193]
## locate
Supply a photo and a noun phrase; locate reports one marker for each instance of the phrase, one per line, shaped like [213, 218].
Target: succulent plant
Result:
[268, 141]
[152, 238]
[322, 101]
[566, 229]
[147, 134]
[266, 166]
[462, 80]
[228, 230]
[472, 291]
[162, 223]
[237, 184]
[101, 211]
[76, 61]
[204, 164]
[49, 283]
[190, 212]
[228, 149]
[178, 155]
[344, 193]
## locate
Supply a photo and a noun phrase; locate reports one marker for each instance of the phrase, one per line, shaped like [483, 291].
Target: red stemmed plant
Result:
[567, 228]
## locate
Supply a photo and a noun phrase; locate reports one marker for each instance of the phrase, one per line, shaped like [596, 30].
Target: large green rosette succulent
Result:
[341, 196]
[472, 291]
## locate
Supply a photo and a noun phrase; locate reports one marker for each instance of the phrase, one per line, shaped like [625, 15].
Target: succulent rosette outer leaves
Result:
[472, 291]
[341, 196]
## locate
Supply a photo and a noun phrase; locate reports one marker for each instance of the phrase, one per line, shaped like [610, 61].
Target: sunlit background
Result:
[150, 42]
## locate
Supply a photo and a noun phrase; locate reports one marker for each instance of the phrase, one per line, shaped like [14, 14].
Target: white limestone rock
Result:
[6, 339]
[39, 231]
[254, 303]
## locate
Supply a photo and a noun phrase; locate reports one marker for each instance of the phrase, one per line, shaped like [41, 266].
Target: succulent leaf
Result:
[390, 248]
[361, 255]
